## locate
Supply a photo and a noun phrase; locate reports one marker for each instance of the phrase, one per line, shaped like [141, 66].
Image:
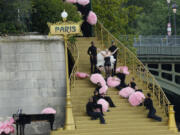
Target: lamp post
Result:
[174, 7]
[168, 2]
[169, 22]
[69, 121]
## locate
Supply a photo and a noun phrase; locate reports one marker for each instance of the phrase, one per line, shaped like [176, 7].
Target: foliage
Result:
[120, 17]
[72, 40]
[154, 17]
[50, 11]
[14, 16]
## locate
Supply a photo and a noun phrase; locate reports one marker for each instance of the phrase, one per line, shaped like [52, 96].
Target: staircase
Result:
[121, 120]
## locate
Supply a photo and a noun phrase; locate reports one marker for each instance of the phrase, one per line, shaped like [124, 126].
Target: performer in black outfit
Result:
[98, 96]
[122, 77]
[112, 49]
[108, 99]
[98, 87]
[94, 115]
[148, 103]
[85, 27]
[92, 51]
[107, 64]
[132, 84]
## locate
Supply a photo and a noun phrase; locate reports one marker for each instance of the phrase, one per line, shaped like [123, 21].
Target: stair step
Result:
[117, 129]
[135, 116]
[130, 124]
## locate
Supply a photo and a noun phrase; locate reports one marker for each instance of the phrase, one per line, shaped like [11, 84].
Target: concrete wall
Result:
[32, 77]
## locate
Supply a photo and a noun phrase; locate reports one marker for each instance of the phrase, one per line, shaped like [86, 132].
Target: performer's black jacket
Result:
[92, 50]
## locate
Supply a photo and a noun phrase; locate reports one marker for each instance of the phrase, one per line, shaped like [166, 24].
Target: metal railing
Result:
[152, 40]
[158, 50]
[157, 41]
[127, 58]
[75, 53]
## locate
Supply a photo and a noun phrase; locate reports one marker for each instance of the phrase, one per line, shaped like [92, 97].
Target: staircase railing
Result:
[70, 81]
[127, 58]
[75, 53]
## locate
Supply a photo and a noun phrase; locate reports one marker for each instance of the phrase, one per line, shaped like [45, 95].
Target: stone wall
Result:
[32, 77]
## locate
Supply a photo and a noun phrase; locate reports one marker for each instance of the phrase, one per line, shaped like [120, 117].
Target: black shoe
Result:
[108, 110]
[103, 122]
[93, 118]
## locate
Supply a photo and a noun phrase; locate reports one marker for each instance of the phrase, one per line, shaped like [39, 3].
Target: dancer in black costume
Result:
[85, 27]
[107, 63]
[148, 103]
[98, 96]
[92, 113]
[122, 77]
[112, 49]
[95, 98]
[132, 83]
[92, 52]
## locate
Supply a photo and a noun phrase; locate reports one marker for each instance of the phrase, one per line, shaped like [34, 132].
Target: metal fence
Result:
[158, 50]
[152, 40]
[157, 41]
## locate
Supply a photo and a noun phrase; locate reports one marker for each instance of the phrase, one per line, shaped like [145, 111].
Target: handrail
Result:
[126, 57]
[70, 81]
[75, 53]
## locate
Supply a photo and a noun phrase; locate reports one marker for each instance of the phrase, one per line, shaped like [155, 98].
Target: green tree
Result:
[153, 18]
[14, 15]
[50, 11]
[118, 16]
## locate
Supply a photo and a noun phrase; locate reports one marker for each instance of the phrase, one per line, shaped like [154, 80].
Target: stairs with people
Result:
[123, 119]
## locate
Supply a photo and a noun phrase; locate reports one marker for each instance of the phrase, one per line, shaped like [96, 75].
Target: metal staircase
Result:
[123, 119]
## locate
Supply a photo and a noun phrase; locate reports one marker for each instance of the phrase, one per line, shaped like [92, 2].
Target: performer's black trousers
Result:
[96, 115]
[109, 100]
[152, 115]
[98, 106]
[114, 72]
[93, 60]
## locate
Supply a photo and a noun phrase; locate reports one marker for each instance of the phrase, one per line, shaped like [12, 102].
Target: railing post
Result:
[140, 74]
[109, 42]
[172, 122]
[133, 67]
[125, 56]
[101, 38]
[147, 75]
[159, 96]
[95, 30]
[153, 86]
[69, 121]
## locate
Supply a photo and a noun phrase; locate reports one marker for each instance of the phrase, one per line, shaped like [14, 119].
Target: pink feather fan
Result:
[83, 2]
[113, 82]
[95, 78]
[136, 98]
[92, 18]
[104, 103]
[81, 75]
[126, 92]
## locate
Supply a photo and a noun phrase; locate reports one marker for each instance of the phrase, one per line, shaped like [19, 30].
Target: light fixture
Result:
[64, 15]
[168, 1]
[174, 7]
